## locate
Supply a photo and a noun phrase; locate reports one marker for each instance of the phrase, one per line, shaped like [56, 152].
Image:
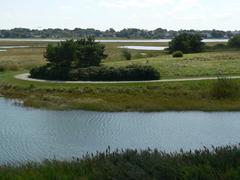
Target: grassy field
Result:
[217, 163]
[123, 97]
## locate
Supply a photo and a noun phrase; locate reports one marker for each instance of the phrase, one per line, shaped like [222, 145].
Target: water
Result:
[13, 47]
[114, 40]
[33, 135]
[147, 48]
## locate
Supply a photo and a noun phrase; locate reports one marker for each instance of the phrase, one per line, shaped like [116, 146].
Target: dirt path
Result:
[26, 78]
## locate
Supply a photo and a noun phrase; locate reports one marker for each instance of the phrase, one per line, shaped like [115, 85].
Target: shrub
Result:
[187, 43]
[102, 73]
[126, 54]
[177, 54]
[50, 73]
[234, 41]
[2, 69]
[224, 88]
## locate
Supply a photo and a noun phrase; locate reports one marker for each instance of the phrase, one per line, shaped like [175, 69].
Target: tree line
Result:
[111, 33]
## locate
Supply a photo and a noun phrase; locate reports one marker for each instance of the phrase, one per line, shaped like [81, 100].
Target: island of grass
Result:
[81, 61]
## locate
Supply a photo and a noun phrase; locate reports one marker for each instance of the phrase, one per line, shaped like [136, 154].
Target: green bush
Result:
[234, 42]
[177, 54]
[187, 43]
[126, 54]
[94, 73]
[224, 88]
[50, 73]
[2, 69]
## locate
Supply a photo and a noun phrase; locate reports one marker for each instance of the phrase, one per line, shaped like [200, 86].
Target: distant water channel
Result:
[28, 134]
[146, 48]
[114, 40]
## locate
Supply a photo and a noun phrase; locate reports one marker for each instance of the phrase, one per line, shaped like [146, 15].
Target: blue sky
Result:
[119, 14]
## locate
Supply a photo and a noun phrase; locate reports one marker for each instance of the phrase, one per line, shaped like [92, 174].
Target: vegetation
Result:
[178, 54]
[215, 163]
[133, 33]
[79, 60]
[124, 97]
[74, 54]
[94, 73]
[234, 42]
[146, 97]
[126, 54]
[225, 88]
[187, 43]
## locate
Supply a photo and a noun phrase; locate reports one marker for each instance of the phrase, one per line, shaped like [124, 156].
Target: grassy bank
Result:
[216, 163]
[124, 97]
[119, 97]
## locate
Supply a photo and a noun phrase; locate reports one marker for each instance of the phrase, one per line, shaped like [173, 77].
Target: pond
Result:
[28, 134]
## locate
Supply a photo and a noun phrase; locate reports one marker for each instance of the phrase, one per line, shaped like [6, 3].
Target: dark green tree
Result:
[89, 52]
[187, 43]
[62, 55]
[81, 53]
[234, 41]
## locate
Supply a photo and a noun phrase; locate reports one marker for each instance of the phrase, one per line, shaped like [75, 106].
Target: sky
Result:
[120, 14]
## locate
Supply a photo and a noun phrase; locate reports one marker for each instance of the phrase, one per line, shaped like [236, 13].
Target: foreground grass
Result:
[216, 163]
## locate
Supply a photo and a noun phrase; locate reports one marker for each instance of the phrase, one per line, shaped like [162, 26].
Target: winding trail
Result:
[25, 77]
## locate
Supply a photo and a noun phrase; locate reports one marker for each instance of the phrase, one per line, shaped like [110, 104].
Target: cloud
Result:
[132, 3]
[65, 7]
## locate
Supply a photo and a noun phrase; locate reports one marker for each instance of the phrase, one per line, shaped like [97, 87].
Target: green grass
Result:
[118, 97]
[124, 97]
[192, 65]
[216, 163]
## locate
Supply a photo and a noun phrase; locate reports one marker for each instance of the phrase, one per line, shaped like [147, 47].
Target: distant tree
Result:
[187, 43]
[218, 34]
[234, 41]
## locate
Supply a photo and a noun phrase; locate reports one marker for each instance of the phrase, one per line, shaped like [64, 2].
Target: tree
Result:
[187, 43]
[89, 52]
[62, 55]
[234, 41]
[81, 53]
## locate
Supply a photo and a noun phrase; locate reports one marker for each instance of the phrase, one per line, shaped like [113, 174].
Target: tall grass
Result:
[214, 163]
[225, 88]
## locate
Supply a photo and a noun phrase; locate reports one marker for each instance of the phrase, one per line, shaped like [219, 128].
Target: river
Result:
[28, 134]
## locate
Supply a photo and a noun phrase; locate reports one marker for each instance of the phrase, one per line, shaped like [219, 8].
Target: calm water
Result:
[110, 41]
[13, 47]
[147, 48]
[33, 135]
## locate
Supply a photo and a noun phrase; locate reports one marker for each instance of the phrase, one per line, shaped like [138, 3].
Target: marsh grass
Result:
[225, 88]
[208, 163]
[144, 97]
